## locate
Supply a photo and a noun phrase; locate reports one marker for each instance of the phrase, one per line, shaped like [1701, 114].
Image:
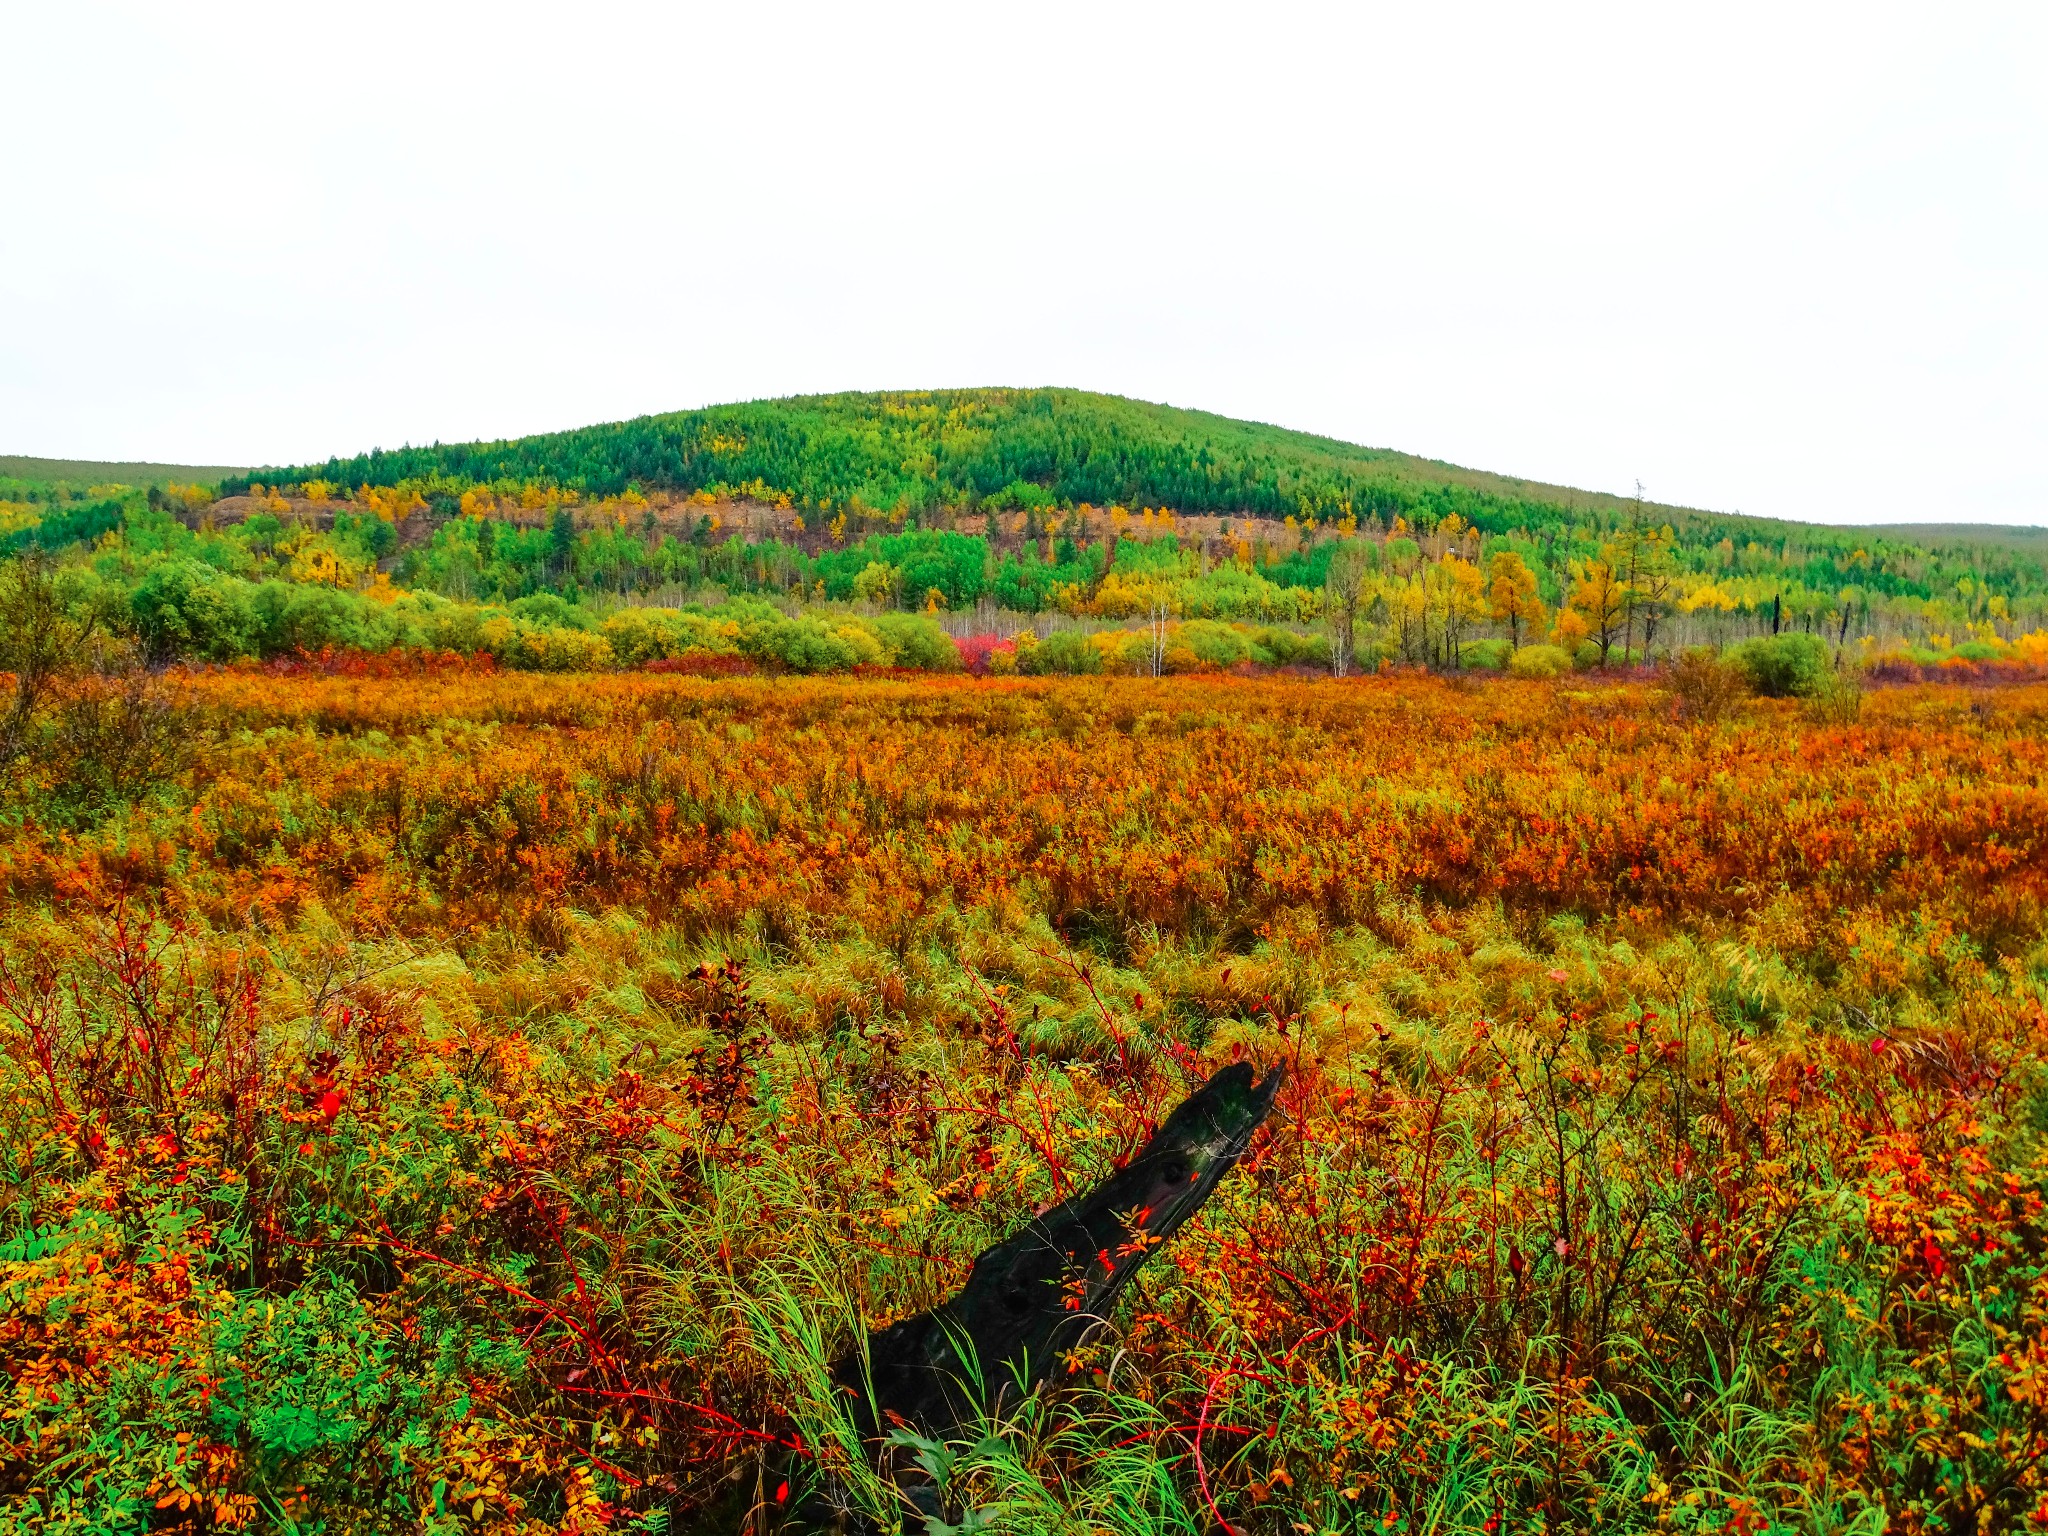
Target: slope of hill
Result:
[971, 448]
[919, 452]
[2027, 542]
[89, 472]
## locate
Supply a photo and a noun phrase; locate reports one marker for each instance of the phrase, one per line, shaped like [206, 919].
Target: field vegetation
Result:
[447, 1099]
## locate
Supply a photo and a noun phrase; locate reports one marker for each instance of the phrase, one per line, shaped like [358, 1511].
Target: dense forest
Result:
[997, 515]
[925, 451]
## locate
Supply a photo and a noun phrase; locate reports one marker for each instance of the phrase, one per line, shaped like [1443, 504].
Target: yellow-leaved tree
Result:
[1511, 595]
[1601, 599]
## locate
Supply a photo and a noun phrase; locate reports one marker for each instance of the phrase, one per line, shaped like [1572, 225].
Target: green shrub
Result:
[186, 608]
[1065, 653]
[911, 640]
[1205, 645]
[1490, 654]
[1793, 666]
[1284, 648]
[804, 644]
[292, 616]
[443, 624]
[549, 611]
[1540, 661]
[1125, 652]
[809, 644]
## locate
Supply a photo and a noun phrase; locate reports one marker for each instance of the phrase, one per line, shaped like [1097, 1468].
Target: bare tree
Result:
[40, 643]
[1157, 612]
[1629, 570]
[1656, 581]
[1343, 586]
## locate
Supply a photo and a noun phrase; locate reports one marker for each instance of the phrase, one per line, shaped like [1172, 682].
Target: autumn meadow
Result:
[510, 987]
[489, 1102]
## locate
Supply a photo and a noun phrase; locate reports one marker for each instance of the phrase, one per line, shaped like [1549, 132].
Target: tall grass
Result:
[366, 1171]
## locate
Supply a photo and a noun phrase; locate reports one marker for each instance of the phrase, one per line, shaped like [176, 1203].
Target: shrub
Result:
[95, 729]
[641, 635]
[118, 735]
[292, 617]
[978, 653]
[1837, 701]
[911, 640]
[39, 642]
[527, 647]
[379, 1135]
[1705, 686]
[550, 611]
[1492, 655]
[1125, 652]
[1205, 645]
[1284, 648]
[808, 645]
[445, 625]
[1539, 661]
[185, 608]
[1065, 653]
[1793, 666]
[861, 640]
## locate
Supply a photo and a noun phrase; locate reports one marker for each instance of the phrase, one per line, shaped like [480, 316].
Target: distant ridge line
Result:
[16, 466]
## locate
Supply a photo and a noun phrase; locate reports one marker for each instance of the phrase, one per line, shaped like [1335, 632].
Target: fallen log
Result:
[1036, 1295]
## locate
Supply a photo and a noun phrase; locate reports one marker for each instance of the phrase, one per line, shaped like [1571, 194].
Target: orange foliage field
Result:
[487, 1102]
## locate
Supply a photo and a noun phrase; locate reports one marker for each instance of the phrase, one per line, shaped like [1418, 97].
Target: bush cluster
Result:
[1788, 666]
[1189, 646]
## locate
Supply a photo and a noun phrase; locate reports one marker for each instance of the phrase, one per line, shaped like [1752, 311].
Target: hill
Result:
[973, 448]
[990, 502]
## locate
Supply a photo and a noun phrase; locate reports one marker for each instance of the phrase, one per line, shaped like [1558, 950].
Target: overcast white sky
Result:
[1791, 260]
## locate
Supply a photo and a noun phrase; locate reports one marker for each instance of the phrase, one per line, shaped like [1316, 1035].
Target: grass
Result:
[491, 1103]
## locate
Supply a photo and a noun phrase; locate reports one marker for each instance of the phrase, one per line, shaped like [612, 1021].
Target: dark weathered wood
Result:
[1036, 1295]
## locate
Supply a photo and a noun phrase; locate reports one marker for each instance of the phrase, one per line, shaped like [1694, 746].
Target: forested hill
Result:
[1019, 501]
[978, 448]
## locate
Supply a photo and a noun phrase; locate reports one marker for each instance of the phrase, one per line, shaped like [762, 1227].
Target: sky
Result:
[1783, 259]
